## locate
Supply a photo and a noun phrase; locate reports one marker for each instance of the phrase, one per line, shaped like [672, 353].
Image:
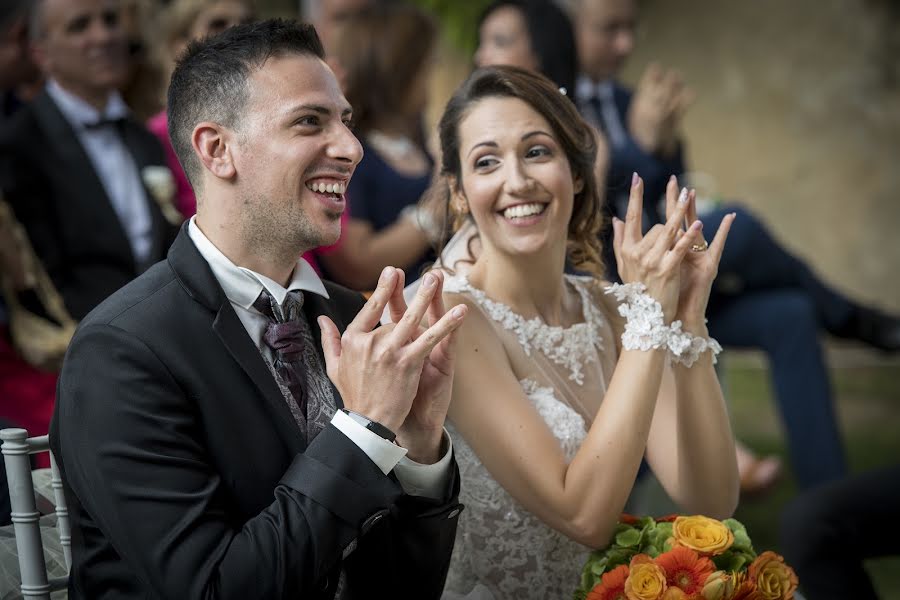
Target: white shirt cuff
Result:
[429, 481]
[382, 452]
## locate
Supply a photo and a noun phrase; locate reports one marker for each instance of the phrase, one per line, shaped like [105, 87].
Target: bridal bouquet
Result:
[684, 558]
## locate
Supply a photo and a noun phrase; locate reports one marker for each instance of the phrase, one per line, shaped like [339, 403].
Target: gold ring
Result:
[700, 247]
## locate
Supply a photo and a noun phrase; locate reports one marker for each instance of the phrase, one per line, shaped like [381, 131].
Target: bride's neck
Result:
[532, 285]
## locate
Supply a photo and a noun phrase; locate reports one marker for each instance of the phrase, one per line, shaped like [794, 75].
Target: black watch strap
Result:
[373, 426]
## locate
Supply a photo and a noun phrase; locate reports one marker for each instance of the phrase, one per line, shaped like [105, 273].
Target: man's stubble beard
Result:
[273, 229]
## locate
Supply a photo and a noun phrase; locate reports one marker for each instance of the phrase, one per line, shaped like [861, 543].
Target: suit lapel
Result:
[81, 175]
[196, 277]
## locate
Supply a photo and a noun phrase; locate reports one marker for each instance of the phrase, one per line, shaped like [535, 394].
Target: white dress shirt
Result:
[242, 287]
[113, 163]
[587, 90]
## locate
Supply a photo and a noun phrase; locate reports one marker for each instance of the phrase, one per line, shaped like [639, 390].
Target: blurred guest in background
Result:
[386, 54]
[764, 297]
[328, 15]
[532, 34]
[144, 85]
[74, 164]
[182, 22]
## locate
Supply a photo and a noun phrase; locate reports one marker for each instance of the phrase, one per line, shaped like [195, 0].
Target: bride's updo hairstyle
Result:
[570, 130]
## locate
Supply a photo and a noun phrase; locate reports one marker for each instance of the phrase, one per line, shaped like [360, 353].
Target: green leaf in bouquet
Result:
[741, 538]
[618, 556]
[733, 560]
[598, 567]
[629, 538]
[659, 534]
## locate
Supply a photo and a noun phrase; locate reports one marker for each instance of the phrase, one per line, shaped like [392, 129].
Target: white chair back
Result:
[17, 447]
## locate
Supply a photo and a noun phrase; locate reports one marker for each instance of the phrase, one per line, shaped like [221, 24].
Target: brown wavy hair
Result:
[572, 132]
[383, 50]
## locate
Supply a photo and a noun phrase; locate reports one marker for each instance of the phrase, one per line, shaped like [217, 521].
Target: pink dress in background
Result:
[185, 201]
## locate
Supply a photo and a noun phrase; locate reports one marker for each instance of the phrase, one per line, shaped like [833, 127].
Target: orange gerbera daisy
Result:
[685, 569]
[611, 586]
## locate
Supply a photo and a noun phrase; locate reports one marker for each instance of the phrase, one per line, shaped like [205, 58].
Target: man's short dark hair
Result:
[210, 80]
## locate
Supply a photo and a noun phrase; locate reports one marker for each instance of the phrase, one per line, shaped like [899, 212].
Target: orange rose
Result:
[706, 536]
[646, 581]
[774, 579]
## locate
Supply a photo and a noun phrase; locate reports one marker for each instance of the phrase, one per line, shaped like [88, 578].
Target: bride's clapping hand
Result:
[654, 259]
[701, 262]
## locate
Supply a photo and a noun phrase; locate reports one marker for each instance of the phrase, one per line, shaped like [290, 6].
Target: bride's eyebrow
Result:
[489, 144]
[531, 134]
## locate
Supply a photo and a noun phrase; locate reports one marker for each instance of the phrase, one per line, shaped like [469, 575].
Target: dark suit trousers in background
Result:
[828, 531]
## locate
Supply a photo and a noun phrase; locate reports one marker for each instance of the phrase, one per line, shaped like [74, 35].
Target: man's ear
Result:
[213, 145]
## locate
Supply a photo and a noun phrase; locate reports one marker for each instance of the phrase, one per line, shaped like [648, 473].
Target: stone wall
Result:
[794, 117]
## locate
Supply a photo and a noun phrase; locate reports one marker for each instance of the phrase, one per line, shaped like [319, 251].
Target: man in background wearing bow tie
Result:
[72, 161]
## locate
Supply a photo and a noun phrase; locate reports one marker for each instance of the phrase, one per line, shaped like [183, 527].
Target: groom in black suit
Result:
[204, 450]
[73, 161]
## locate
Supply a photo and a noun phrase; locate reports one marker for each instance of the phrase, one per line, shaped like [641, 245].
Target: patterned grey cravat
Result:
[296, 364]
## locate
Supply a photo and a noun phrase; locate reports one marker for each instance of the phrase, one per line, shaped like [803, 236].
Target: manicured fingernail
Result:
[428, 281]
[319, 321]
[683, 196]
[672, 179]
[697, 225]
[458, 312]
[387, 272]
[634, 179]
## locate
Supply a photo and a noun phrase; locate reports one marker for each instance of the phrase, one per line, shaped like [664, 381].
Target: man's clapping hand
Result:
[401, 374]
[656, 110]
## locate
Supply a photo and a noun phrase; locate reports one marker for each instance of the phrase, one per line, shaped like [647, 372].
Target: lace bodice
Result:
[502, 550]
[569, 347]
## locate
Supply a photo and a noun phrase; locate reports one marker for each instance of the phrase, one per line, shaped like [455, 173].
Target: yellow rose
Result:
[774, 579]
[705, 536]
[719, 586]
[646, 581]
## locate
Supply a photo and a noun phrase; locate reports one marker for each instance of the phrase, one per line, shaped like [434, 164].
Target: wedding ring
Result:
[700, 247]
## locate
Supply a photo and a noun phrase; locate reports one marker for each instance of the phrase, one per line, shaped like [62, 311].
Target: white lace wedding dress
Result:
[502, 551]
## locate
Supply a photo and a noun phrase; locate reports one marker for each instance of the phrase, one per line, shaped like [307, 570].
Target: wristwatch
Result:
[373, 426]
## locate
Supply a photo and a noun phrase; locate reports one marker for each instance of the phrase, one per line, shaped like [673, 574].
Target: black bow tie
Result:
[116, 122]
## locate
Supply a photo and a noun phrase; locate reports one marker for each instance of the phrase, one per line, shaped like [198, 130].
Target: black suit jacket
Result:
[48, 179]
[187, 477]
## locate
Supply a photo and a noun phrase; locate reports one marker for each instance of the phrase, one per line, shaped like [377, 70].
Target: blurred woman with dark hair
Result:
[384, 54]
[531, 34]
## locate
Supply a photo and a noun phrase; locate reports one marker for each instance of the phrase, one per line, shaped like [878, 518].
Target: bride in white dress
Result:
[557, 396]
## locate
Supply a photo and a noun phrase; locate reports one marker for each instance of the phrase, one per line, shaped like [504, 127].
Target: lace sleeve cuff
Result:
[645, 327]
